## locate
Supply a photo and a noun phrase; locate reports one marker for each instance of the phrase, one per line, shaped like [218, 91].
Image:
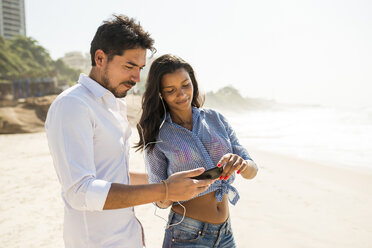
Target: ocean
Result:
[336, 136]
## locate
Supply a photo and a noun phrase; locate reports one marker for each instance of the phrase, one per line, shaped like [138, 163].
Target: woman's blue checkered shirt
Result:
[181, 149]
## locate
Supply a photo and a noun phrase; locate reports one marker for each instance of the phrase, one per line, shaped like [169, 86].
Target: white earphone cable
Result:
[155, 142]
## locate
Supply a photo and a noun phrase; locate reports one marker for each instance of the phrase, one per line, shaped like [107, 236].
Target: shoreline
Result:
[331, 165]
[291, 203]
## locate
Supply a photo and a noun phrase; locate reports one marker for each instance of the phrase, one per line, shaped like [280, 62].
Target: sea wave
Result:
[322, 134]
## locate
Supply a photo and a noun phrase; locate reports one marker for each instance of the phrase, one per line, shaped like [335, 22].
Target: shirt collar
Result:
[93, 86]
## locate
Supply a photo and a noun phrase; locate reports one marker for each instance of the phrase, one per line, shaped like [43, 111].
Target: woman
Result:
[177, 135]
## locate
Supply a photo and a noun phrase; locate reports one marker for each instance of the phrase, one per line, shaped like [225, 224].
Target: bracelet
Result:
[166, 190]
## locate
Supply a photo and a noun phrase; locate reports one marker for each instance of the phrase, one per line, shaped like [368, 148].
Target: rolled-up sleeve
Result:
[70, 132]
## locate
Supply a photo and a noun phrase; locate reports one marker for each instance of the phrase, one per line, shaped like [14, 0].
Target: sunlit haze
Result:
[316, 52]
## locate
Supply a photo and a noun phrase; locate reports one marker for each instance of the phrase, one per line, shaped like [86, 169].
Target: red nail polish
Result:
[221, 177]
[226, 177]
[219, 165]
[238, 172]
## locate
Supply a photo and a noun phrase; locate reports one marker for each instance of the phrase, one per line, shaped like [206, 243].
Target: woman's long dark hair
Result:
[152, 108]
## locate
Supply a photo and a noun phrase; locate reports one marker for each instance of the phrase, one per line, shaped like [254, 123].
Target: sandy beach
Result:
[291, 203]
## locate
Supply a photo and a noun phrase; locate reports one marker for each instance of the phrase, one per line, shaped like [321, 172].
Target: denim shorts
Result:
[195, 233]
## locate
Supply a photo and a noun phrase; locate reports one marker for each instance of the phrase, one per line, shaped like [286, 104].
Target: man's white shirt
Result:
[88, 132]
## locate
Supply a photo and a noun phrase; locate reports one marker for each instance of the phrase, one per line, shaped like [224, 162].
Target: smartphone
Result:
[210, 174]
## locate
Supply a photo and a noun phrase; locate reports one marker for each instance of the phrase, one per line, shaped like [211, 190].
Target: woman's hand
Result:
[247, 168]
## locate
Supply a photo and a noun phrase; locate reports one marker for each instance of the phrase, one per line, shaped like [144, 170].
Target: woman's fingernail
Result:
[226, 177]
[221, 177]
[219, 165]
[238, 172]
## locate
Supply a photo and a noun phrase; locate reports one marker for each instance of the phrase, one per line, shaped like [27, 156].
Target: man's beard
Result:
[106, 83]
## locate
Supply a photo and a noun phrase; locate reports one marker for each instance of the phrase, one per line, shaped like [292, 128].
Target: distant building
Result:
[12, 18]
[78, 61]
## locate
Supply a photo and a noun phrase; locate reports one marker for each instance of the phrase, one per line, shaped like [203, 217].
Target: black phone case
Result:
[210, 174]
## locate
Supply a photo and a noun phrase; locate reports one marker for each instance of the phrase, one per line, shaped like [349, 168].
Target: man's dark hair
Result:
[118, 34]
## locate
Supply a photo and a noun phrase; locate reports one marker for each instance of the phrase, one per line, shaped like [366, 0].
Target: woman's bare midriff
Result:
[205, 208]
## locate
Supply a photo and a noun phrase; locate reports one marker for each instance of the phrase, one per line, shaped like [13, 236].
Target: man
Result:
[88, 133]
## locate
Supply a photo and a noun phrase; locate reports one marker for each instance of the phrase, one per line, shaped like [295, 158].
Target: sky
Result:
[309, 52]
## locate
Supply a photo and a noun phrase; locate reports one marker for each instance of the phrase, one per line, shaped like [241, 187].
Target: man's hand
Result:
[181, 187]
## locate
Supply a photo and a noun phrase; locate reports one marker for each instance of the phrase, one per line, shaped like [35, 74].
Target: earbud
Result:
[160, 96]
